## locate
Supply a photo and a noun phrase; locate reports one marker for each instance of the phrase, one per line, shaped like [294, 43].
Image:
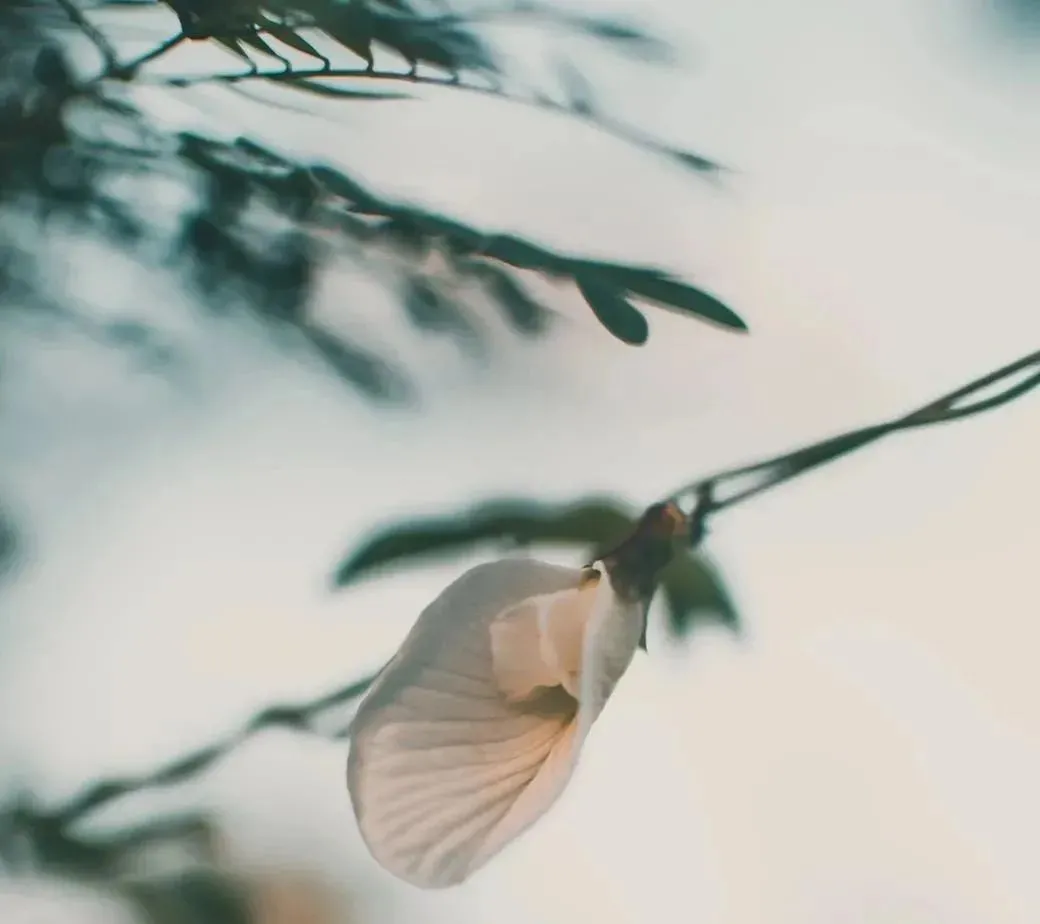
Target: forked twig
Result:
[782, 468]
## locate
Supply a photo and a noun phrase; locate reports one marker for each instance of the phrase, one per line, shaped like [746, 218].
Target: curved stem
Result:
[782, 468]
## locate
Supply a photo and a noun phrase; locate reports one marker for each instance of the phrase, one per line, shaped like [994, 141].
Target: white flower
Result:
[473, 729]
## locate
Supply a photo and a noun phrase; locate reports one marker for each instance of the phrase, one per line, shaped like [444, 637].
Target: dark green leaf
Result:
[364, 370]
[287, 36]
[8, 543]
[431, 310]
[657, 286]
[675, 294]
[351, 24]
[693, 161]
[608, 304]
[524, 313]
[191, 898]
[694, 591]
[324, 89]
[593, 524]
[341, 185]
[235, 47]
[255, 40]
[457, 237]
[625, 37]
[523, 254]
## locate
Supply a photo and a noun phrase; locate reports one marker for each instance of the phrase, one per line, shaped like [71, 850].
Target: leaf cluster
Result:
[691, 586]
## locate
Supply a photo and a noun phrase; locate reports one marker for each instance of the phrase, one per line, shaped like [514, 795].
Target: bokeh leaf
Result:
[581, 100]
[694, 161]
[594, 523]
[692, 589]
[693, 592]
[293, 39]
[625, 37]
[524, 313]
[193, 897]
[8, 543]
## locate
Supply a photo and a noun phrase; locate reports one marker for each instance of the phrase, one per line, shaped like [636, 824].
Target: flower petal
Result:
[538, 642]
[444, 770]
[611, 639]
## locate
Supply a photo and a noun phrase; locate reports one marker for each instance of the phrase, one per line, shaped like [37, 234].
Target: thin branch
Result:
[609, 127]
[131, 67]
[299, 716]
[782, 468]
[777, 470]
[80, 20]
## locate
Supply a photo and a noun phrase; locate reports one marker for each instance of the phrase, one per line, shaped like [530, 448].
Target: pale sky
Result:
[868, 753]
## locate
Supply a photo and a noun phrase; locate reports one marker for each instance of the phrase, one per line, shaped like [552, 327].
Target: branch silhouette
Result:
[104, 47]
[298, 716]
[782, 468]
[711, 494]
[955, 405]
[303, 79]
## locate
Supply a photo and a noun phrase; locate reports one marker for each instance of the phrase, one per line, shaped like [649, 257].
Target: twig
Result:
[79, 19]
[784, 467]
[300, 716]
[608, 126]
[124, 71]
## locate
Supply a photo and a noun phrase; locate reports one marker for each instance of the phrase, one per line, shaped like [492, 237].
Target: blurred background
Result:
[245, 326]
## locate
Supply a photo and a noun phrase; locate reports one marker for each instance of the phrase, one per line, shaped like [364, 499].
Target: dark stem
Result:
[79, 19]
[607, 126]
[782, 468]
[300, 716]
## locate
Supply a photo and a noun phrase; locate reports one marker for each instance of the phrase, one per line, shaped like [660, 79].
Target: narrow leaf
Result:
[687, 298]
[524, 313]
[433, 311]
[625, 37]
[338, 184]
[694, 591]
[235, 47]
[523, 254]
[594, 525]
[694, 161]
[255, 40]
[619, 317]
[366, 371]
[287, 36]
[657, 286]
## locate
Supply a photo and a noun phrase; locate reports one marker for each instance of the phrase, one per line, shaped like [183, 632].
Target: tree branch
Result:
[777, 470]
[303, 77]
[298, 716]
[80, 20]
[129, 69]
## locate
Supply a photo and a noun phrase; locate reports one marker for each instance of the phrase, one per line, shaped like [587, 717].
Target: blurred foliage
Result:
[8, 543]
[1022, 15]
[191, 897]
[692, 588]
[78, 156]
[31, 840]
[237, 229]
[420, 32]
